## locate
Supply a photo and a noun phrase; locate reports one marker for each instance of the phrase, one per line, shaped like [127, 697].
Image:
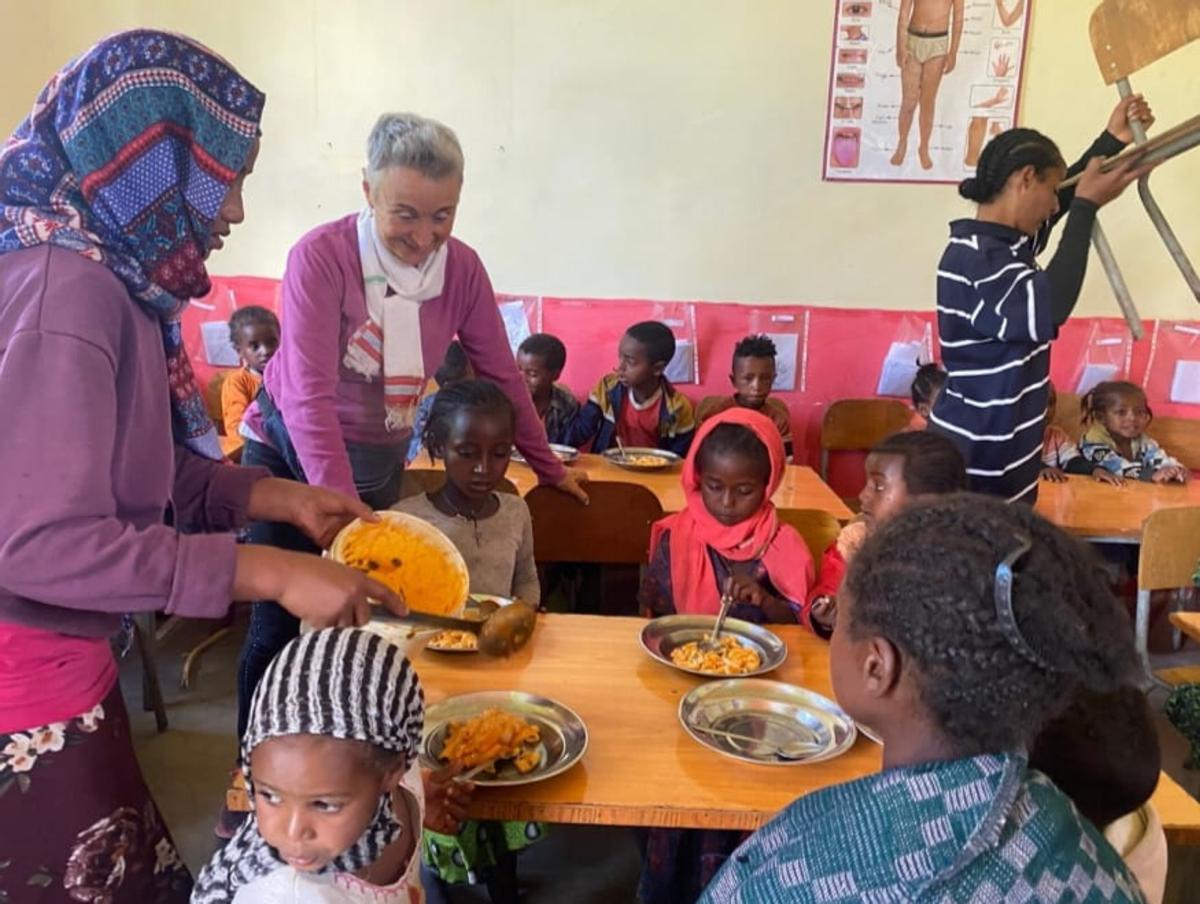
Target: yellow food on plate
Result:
[491, 736]
[409, 556]
[642, 461]
[731, 659]
[454, 640]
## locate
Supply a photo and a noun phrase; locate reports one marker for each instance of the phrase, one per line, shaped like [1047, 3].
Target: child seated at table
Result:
[330, 760]
[254, 335]
[927, 385]
[964, 624]
[636, 403]
[1060, 456]
[1116, 416]
[752, 376]
[454, 369]
[471, 430]
[901, 467]
[728, 538]
[1103, 753]
[541, 359]
[728, 535]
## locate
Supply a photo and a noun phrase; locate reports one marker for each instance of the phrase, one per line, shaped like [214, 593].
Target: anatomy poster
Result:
[917, 87]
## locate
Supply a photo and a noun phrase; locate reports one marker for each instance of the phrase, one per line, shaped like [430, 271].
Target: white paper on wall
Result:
[217, 350]
[1094, 374]
[682, 368]
[516, 324]
[787, 349]
[899, 368]
[1185, 385]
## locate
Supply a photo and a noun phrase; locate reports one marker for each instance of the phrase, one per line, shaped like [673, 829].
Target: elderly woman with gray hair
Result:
[370, 303]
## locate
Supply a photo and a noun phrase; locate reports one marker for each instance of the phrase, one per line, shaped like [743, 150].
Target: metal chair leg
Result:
[152, 698]
[1117, 280]
[1142, 640]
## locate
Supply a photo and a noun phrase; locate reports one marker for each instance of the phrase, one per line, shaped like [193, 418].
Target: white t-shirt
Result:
[287, 885]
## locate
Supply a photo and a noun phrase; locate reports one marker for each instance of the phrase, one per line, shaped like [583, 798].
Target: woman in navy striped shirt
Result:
[998, 311]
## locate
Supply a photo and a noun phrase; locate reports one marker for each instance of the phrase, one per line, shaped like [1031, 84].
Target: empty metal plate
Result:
[766, 716]
[662, 635]
[563, 741]
[561, 452]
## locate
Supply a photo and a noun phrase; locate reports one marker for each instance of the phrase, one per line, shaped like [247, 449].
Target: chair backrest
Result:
[430, 480]
[613, 528]
[212, 399]
[1170, 549]
[1179, 437]
[817, 527]
[1067, 415]
[1128, 35]
[858, 424]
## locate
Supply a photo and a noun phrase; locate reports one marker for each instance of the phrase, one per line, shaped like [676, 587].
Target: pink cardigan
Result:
[325, 405]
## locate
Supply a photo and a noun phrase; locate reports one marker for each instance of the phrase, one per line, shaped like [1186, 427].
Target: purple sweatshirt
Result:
[324, 404]
[88, 466]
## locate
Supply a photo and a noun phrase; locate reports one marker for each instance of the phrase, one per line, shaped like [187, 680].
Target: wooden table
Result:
[1097, 511]
[641, 768]
[802, 487]
[1188, 623]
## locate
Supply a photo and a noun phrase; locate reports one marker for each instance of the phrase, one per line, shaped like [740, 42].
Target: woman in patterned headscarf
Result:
[126, 174]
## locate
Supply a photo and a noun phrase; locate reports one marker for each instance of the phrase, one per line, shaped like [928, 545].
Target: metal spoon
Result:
[710, 644]
[793, 750]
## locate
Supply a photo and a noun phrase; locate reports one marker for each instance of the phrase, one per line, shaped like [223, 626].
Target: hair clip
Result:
[1004, 604]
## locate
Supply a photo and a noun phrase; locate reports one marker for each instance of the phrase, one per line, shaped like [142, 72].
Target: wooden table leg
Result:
[144, 632]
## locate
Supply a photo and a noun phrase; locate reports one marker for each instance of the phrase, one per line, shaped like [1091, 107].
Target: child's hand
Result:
[1170, 474]
[446, 800]
[824, 611]
[1054, 475]
[574, 484]
[745, 588]
[1106, 476]
[318, 512]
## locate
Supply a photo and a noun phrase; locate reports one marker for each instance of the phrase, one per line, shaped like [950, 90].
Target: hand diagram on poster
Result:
[1001, 66]
[996, 99]
[1009, 18]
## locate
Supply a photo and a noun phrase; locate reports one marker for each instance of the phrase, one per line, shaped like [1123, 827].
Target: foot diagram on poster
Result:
[920, 86]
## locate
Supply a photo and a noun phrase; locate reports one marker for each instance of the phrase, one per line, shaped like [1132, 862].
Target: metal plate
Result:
[664, 458]
[777, 713]
[662, 635]
[564, 737]
[562, 453]
[469, 610]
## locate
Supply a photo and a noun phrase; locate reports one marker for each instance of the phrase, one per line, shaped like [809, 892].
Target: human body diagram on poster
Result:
[919, 86]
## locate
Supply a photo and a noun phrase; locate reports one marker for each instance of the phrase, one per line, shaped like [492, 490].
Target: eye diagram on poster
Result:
[918, 87]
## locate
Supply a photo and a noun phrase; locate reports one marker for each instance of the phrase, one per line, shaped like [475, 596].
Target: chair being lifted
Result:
[1128, 35]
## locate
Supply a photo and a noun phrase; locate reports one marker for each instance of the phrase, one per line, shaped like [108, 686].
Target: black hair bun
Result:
[970, 189]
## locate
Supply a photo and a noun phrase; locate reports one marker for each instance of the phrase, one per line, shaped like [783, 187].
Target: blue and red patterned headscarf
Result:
[126, 159]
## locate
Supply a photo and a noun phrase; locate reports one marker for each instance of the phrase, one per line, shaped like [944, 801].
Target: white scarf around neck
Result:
[389, 341]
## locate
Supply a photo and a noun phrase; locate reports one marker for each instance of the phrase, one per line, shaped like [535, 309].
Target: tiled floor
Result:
[188, 766]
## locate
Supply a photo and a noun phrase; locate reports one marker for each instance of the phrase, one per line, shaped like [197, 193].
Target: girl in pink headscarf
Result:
[728, 536]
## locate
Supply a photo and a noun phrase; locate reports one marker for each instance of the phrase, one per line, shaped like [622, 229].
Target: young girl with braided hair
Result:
[998, 311]
[965, 626]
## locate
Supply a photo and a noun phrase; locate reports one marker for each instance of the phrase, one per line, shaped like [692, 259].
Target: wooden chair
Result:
[1180, 437]
[817, 527]
[1067, 415]
[430, 480]
[1170, 551]
[855, 425]
[1126, 36]
[212, 399]
[614, 528]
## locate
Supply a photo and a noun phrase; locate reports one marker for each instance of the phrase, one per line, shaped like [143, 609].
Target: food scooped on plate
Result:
[490, 738]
